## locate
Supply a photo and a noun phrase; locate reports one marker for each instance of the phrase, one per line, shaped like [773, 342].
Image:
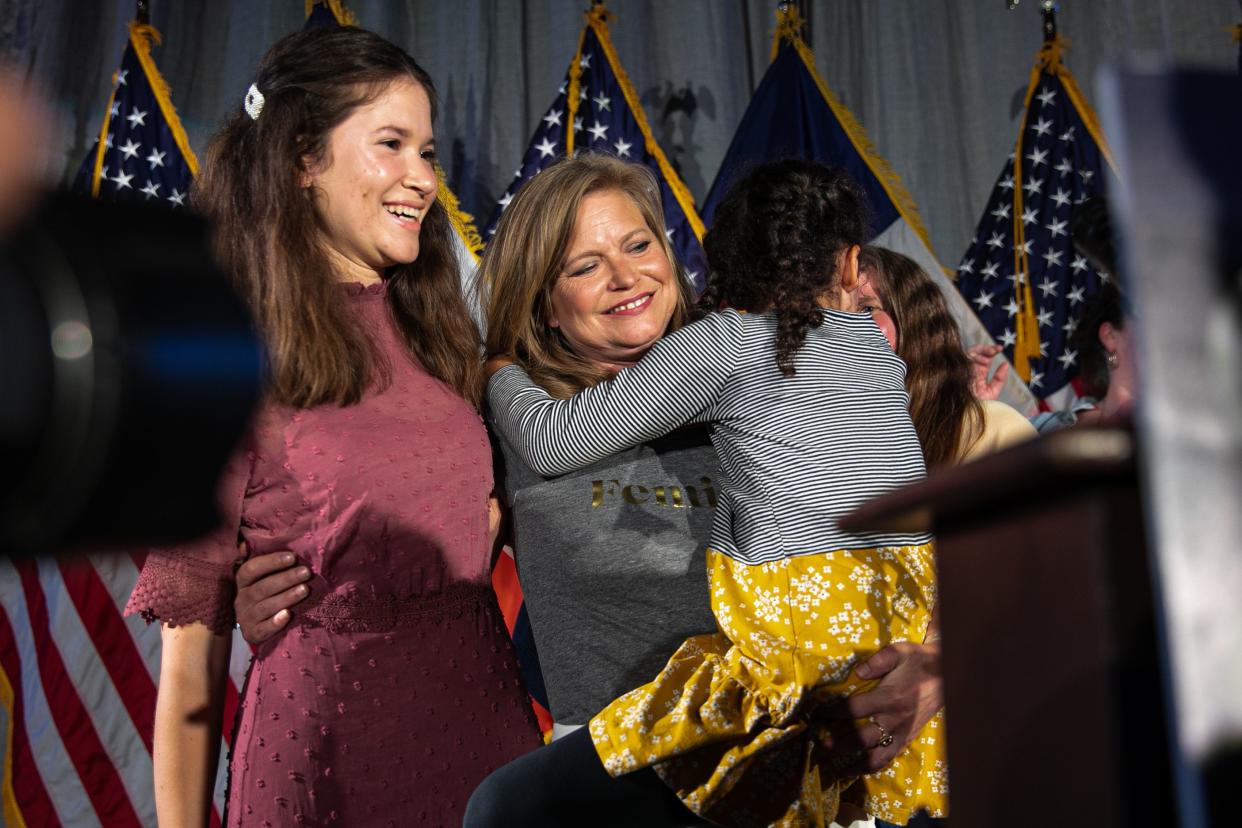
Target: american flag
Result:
[142, 153]
[597, 110]
[78, 683]
[1022, 274]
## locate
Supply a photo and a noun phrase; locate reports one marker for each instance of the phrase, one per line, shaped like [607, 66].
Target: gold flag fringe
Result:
[9, 806]
[462, 221]
[571, 94]
[343, 15]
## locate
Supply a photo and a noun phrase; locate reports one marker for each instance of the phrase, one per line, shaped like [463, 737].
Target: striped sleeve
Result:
[677, 381]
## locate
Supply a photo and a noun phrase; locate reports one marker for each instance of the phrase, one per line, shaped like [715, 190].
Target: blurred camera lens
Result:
[128, 370]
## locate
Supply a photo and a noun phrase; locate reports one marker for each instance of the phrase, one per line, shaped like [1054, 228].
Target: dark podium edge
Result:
[1123, 737]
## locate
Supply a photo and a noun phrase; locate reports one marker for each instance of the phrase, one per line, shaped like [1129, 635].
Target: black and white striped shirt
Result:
[796, 453]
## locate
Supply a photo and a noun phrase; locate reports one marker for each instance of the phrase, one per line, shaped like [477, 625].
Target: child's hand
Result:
[495, 364]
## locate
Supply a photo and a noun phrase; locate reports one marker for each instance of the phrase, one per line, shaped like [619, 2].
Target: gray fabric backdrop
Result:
[937, 83]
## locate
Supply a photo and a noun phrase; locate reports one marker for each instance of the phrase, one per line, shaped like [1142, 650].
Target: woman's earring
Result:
[1112, 360]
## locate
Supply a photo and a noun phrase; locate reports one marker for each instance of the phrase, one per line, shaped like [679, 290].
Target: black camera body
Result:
[128, 371]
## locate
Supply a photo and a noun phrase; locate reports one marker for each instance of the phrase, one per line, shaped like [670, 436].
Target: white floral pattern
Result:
[725, 723]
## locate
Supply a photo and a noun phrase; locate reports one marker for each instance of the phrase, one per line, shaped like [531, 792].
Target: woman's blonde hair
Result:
[525, 258]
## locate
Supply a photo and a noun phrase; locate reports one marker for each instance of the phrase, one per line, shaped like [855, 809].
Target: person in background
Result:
[1107, 374]
[953, 425]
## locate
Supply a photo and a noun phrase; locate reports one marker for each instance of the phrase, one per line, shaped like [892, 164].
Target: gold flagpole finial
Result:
[789, 25]
[1048, 11]
[599, 13]
[343, 16]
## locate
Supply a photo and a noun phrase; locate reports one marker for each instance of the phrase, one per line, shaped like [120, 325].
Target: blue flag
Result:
[1022, 274]
[597, 110]
[142, 153]
[793, 114]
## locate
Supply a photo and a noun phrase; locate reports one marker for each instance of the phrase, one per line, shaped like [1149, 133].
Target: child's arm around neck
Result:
[679, 380]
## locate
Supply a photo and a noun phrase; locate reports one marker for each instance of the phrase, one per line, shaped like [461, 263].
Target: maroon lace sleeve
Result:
[194, 582]
[179, 589]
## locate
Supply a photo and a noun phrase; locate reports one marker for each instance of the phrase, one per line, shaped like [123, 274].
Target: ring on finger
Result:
[886, 738]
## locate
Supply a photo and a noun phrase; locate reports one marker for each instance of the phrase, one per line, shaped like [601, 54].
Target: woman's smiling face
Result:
[616, 291]
[377, 182]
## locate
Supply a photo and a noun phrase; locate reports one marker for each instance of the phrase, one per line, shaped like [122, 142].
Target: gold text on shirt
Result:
[675, 496]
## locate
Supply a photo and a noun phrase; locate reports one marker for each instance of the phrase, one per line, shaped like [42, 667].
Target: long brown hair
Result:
[946, 414]
[268, 233]
[524, 260]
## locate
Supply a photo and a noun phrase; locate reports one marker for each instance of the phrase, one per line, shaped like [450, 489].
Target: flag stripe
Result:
[52, 762]
[505, 585]
[125, 749]
[231, 703]
[118, 575]
[113, 644]
[31, 802]
[81, 740]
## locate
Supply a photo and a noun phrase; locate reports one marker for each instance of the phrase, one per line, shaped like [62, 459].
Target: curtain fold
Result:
[935, 83]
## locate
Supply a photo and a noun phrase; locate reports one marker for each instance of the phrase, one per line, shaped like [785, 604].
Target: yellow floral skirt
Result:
[726, 723]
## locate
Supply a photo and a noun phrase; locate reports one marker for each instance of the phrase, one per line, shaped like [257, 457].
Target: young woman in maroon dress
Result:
[396, 691]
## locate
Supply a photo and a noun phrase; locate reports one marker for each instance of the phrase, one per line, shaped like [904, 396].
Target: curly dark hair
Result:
[775, 241]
